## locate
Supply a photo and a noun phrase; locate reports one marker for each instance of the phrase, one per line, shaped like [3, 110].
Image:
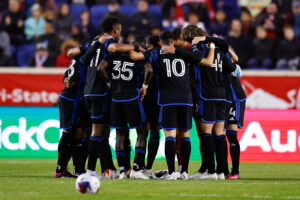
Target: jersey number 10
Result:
[173, 68]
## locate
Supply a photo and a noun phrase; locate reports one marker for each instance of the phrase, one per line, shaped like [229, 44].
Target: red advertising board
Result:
[272, 92]
[270, 136]
[30, 89]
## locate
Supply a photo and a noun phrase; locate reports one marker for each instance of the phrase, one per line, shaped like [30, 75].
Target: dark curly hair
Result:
[190, 32]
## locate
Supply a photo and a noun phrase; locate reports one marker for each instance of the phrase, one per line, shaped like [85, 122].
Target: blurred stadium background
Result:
[36, 34]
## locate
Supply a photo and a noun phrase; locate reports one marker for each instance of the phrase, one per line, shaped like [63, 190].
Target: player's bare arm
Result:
[235, 57]
[136, 56]
[102, 71]
[190, 56]
[74, 52]
[209, 60]
[147, 77]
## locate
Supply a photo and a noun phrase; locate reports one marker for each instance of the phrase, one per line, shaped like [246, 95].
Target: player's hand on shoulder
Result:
[196, 40]
[68, 82]
[169, 49]
[103, 38]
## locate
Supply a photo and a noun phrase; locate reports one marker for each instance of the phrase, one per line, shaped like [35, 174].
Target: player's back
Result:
[77, 72]
[211, 80]
[173, 79]
[95, 84]
[124, 77]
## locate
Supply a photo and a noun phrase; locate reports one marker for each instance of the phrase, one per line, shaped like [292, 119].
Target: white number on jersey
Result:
[125, 69]
[97, 59]
[173, 68]
[232, 113]
[218, 63]
[71, 69]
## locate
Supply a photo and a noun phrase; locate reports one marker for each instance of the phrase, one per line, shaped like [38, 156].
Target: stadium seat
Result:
[155, 10]
[59, 2]
[76, 9]
[128, 10]
[97, 13]
[24, 54]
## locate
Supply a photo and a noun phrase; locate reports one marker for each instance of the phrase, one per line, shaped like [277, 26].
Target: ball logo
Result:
[33, 137]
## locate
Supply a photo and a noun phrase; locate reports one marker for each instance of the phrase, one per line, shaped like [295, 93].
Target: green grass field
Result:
[33, 179]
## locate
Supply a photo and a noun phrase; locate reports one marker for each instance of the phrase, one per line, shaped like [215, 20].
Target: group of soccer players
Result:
[148, 86]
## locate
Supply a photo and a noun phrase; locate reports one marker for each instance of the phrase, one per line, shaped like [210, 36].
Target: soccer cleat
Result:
[197, 175]
[162, 174]
[208, 176]
[148, 172]
[123, 175]
[138, 174]
[234, 176]
[221, 176]
[172, 176]
[184, 176]
[111, 174]
[64, 174]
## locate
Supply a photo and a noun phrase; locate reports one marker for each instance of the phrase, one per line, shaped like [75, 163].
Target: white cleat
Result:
[221, 176]
[111, 174]
[184, 176]
[138, 174]
[197, 175]
[208, 176]
[172, 176]
[123, 175]
[94, 173]
[148, 172]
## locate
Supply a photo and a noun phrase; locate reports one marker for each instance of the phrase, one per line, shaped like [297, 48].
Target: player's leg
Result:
[178, 150]
[206, 120]
[220, 138]
[184, 121]
[65, 145]
[77, 153]
[168, 122]
[127, 149]
[80, 151]
[153, 144]
[121, 152]
[135, 117]
[96, 109]
[220, 145]
[236, 121]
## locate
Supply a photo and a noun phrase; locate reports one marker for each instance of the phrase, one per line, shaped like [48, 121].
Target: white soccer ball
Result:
[87, 184]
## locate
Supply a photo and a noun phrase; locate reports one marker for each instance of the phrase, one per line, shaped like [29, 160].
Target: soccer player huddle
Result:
[160, 84]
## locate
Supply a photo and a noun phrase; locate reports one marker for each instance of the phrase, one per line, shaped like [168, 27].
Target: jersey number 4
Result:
[173, 68]
[121, 70]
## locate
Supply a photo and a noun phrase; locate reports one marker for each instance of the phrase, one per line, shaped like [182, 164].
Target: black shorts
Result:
[98, 107]
[128, 112]
[175, 117]
[236, 113]
[212, 111]
[67, 113]
[151, 110]
[84, 119]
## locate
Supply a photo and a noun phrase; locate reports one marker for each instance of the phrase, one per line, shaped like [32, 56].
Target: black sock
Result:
[121, 157]
[95, 144]
[153, 145]
[234, 150]
[77, 156]
[85, 149]
[220, 143]
[128, 152]
[139, 159]
[208, 152]
[185, 152]
[65, 148]
[226, 170]
[170, 152]
[203, 167]
[107, 154]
